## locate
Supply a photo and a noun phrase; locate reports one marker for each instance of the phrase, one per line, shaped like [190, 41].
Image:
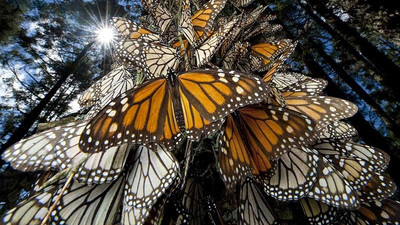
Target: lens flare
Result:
[105, 35]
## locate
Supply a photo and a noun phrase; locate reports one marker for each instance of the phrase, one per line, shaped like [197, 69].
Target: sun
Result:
[105, 35]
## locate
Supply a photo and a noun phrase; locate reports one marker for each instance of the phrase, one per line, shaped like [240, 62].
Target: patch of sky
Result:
[364, 108]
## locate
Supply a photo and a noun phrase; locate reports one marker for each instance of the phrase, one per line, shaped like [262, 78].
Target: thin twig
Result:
[14, 71]
[64, 172]
[58, 199]
[185, 55]
[183, 49]
[187, 161]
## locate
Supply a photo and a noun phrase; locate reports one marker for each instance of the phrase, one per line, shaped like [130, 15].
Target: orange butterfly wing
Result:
[272, 131]
[204, 18]
[322, 109]
[147, 113]
[216, 93]
[233, 156]
[139, 116]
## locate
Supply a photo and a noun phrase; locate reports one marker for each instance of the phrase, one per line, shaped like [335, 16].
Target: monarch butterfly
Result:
[376, 157]
[159, 13]
[264, 54]
[322, 109]
[185, 23]
[294, 175]
[205, 51]
[250, 18]
[310, 87]
[356, 171]
[191, 206]
[275, 97]
[116, 82]
[155, 59]
[379, 187]
[197, 28]
[238, 50]
[80, 204]
[134, 31]
[377, 212]
[320, 213]
[254, 208]
[155, 173]
[211, 43]
[57, 149]
[278, 61]
[285, 79]
[147, 113]
[193, 202]
[332, 188]
[339, 130]
[258, 136]
[265, 28]
[245, 20]
[204, 18]
[227, 42]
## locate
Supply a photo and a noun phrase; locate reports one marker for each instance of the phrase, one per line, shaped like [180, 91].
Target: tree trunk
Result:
[346, 45]
[34, 114]
[382, 63]
[389, 122]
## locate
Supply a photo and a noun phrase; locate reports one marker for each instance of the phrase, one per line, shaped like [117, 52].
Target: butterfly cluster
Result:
[201, 122]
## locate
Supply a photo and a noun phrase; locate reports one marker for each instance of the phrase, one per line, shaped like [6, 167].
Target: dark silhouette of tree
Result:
[384, 66]
[32, 116]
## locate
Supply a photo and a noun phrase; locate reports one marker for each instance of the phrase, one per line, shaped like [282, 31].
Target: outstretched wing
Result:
[139, 116]
[322, 109]
[216, 93]
[57, 149]
[235, 161]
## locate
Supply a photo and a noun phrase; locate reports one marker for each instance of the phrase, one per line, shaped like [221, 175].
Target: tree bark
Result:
[34, 114]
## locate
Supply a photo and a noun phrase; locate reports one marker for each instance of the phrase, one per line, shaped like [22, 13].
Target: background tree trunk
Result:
[34, 114]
